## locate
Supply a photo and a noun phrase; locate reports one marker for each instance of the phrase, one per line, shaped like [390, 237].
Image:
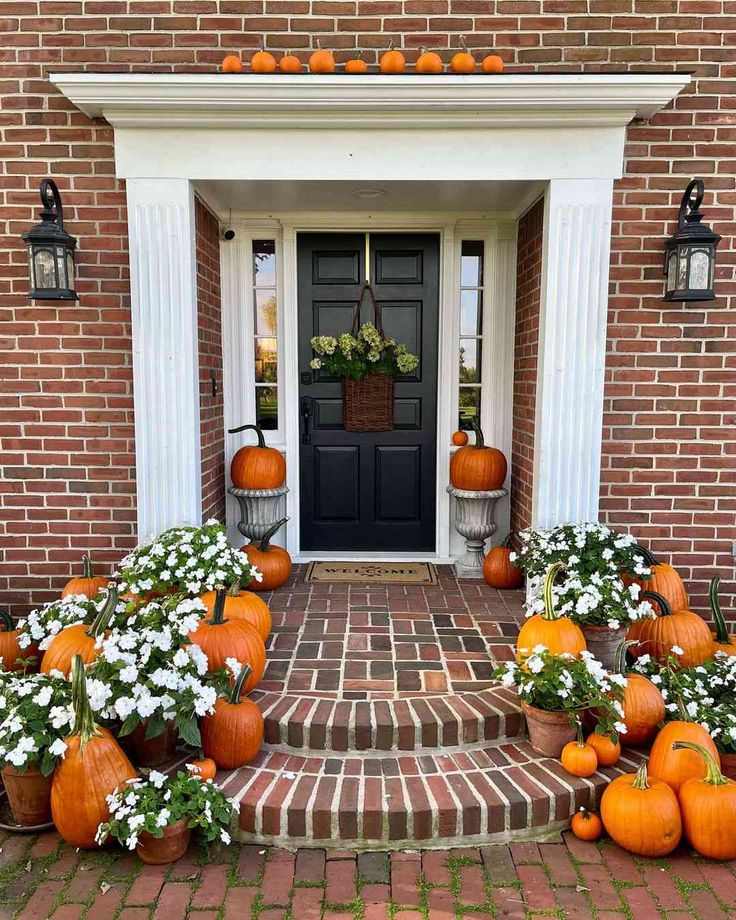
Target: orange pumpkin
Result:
[232, 735]
[586, 825]
[498, 569]
[477, 468]
[93, 767]
[430, 62]
[608, 750]
[273, 562]
[258, 467]
[462, 61]
[663, 580]
[674, 767]
[79, 640]
[641, 815]
[242, 605]
[88, 584]
[558, 634]
[578, 757]
[10, 652]
[723, 640]
[392, 61]
[460, 438]
[263, 62]
[203, 769]
[642, 702]
[708, 808]
[492, 63]
[231, 63]
[682, 628]
[290, 63]
[356, 65]
[322, 61]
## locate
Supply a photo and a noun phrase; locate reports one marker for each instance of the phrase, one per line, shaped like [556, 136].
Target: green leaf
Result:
[189, 731]
[156, 726]
[129, 725]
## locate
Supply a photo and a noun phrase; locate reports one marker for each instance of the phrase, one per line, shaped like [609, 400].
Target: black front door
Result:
[369, 490]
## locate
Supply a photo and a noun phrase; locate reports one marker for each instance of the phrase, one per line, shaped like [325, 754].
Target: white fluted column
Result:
[165, 353]
[572, 349]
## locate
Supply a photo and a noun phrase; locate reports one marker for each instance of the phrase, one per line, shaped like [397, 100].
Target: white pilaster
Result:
[165, 353]
[572, 348]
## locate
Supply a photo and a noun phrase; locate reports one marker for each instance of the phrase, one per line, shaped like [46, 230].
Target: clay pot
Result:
[728, 765]
[151, 752]
[29, 795]
[157, 851]
[549, 732]
[602, 642]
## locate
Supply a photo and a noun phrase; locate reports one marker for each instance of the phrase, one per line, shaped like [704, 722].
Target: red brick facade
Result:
[669, 464]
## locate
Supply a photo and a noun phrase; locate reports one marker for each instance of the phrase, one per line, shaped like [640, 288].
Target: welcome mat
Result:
[377, 573]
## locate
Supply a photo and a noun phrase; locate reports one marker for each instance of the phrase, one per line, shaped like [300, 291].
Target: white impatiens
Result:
[35, 718]
[41, 625]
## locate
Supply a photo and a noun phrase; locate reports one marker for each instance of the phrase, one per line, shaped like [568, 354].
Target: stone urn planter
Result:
[158, 851]
[549, 732]
[259, 510]
[29, 795]
[474, 520]
[603, 642]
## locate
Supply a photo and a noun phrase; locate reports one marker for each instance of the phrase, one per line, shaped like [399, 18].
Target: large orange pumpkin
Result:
[723, 640]
[498, 569]
[273, 562]
[477, 468]
[88, 584]
[674, 767]
[232, 735]
[392, 61]
[10, 651]
[79, 639]
[257, 467]
[663, 580]
[708, 808]
[242, 605]
[558, 634]
[681, 628]
[94, 766]
[429, 62]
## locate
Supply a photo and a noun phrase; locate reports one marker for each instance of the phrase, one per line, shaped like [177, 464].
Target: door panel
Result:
[369, 490]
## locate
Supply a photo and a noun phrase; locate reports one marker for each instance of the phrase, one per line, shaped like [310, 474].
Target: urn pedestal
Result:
[474, 520]
[259, 509]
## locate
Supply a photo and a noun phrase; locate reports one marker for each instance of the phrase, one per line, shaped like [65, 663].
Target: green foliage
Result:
[367, 353]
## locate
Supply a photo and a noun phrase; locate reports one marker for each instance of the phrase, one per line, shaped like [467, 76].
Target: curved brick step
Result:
[489, 793]
[411, 724]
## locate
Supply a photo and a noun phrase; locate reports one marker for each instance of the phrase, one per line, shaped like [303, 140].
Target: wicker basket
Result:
[368, 404]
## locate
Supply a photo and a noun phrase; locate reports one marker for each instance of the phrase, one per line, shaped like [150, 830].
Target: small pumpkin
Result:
[242, 605]
[708, 808]
[723, 640]
[586, 825]
[321, 61]
[356, 65]
[205, 768]
[79, 639]
[608, 750]
[462, 61]
[231, 63]
[221, 638]
[675, 767]
[641, 815]
[682, 628]
[392, 61]
[232, 735]
[477, 468]
[290, 63]
[498, 569]
[431, 62]
[460, 438]
[492, 63]
[578, 757]
[263, 62]
[259, 467]
[643, 704]
[558, 634]
[10, 651]
[273, 562]
[87, 584]
[664, 579]
[93, 767]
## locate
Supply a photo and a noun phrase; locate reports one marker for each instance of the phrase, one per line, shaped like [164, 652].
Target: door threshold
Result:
[374, 557]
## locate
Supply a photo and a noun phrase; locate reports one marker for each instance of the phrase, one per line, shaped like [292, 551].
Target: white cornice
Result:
[346, 101]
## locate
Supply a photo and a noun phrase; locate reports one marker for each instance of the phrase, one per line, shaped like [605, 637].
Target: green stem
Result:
[86, 566]
[102, 620]
[549, 605]
[713, 774]
[642, 779]
[218, 614]
[84, 723]
[7, 621]
[722, 634]
[508, 543]
[665, 608]
[479, 439]
[619, 661]
[234, 589]
[683, 713]
[259, 433]
[263, 546]
[237, 689]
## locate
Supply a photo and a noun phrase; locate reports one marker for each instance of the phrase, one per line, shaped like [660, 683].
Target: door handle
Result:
[307, 410]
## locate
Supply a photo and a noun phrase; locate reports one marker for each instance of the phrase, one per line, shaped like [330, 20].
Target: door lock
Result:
[306, 407]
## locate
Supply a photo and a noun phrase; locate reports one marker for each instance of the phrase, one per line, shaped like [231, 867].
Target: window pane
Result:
[469, 407]
[264, 263]
[266, 313]
[267, 408]
[266, 360]
[470, 312]
[699, 264]
[469, 361]
[471, 269]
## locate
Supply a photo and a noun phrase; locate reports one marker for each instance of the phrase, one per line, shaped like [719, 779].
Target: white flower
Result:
[129, 674]
[156, 778]
[124, 706]
[43, 697]
[620, 728]
[676, 650]
[58, 748]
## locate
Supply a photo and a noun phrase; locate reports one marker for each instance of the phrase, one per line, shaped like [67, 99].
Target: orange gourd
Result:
[663, 580]
[723, 640]
[322, 61]
[492, 63]
[93, 767]
[675, 767]
[392, 61]
[558, 634]
[462, 61]
[263, 62]
[477, 468]
[79, 639]
[88, 584]
[273, 562]
[356, 65]
[290, 63]
[708, 808]
[242, 605]
[641, 815]
[258, 467]
[642, 702]
[203, 769]
[232, 735]
[430, 62]
[681, 628]
[231, 63]
[608, 750]
[10, 652]
[586, 825]
[221, 638]
[578, 757]
[498, 569]
[460, 438]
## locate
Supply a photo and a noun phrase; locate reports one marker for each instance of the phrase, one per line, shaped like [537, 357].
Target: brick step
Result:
[490, 792]
[400, 724]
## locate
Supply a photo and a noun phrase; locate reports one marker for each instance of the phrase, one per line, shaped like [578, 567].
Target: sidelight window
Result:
[265, 313]
[471, 326]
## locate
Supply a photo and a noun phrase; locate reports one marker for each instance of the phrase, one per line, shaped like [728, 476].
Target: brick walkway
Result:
[41, 878]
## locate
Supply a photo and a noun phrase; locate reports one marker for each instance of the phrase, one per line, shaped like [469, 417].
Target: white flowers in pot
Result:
[41, 625]
[35, 717]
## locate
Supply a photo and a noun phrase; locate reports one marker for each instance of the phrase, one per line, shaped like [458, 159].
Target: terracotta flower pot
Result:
[728, 765]
[157, 851]
[29, 795]
[602, 642]
[152, 752]
[549, 732]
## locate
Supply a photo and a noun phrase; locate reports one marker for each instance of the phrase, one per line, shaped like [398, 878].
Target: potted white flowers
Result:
[156, 816]
[41, 626]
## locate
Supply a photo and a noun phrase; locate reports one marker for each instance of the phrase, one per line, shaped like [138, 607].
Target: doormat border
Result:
[426, 579]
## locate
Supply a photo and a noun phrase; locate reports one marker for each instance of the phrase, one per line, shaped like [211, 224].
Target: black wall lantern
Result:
[51, 250]
[690, 256]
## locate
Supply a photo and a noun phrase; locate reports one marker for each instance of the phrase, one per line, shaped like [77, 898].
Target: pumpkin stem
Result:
[102, 620]
[462, 43]
[237, 689]
[715, 606]
[258, 431]
[619, 660]
[641, 780]
[86, 566]
[662, 603]
[263, 546]
[508, 543]
[549, 604]
[713, 775]
[84, 723]
[683, 713]
[218, 614]
[579, 732]
[6, 621]
[649, 557]
[479, 440]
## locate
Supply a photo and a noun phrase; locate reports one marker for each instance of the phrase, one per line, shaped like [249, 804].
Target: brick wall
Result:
[211, 421]
[668, 461]
[526, 336]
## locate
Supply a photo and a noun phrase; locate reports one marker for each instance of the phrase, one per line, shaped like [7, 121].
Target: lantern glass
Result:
[44, 275]
[699, 270]
[672, 271]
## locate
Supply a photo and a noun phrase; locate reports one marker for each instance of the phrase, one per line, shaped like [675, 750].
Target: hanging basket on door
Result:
[367, 361]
